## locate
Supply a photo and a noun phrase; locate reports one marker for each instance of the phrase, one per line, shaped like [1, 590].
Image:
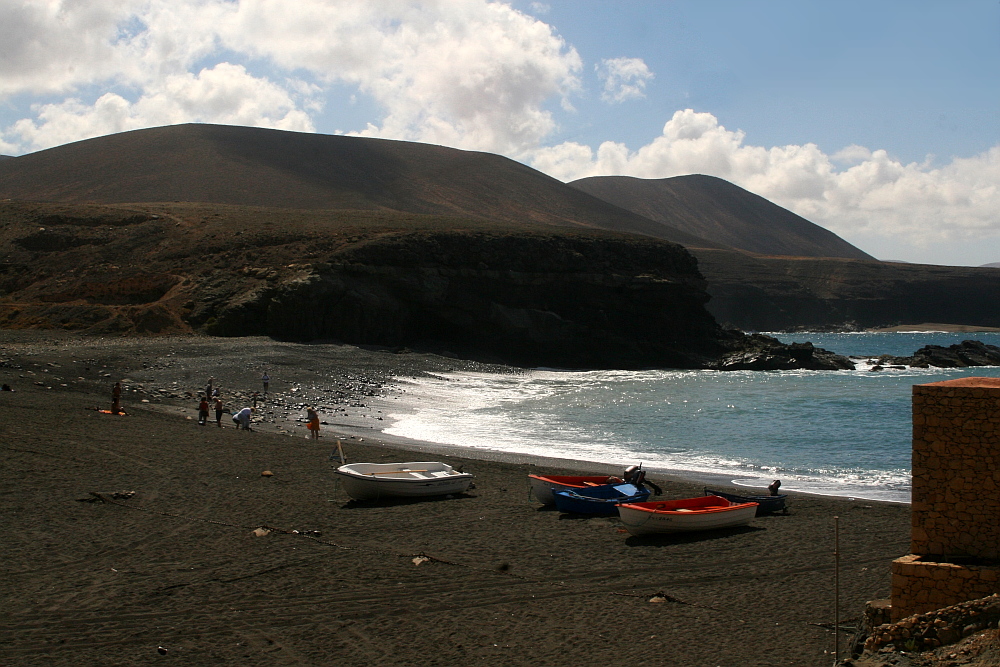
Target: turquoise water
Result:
[844, 433]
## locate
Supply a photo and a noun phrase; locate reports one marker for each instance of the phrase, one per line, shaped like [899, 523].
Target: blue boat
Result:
[599, 499]
[765, 504]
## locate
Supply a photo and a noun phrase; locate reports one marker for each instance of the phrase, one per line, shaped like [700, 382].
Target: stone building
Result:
[955, 539]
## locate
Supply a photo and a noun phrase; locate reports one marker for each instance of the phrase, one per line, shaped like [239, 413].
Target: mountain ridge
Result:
[715, 209]
[281, 169]
[267, 200]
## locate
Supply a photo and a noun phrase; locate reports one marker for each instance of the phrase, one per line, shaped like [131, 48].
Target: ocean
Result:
[843, 433]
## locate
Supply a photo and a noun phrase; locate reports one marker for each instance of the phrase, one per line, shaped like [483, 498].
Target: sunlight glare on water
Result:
[843, 433]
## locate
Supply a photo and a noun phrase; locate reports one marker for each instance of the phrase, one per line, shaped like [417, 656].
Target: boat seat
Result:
[440, 473]
[419, 474]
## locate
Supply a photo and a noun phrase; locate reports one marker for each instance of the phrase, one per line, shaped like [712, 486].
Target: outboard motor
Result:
[773, 487]
[637, 476]
[631, 472]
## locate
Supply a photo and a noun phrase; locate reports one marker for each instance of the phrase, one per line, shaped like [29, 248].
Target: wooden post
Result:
[340, 450]
[836, 589]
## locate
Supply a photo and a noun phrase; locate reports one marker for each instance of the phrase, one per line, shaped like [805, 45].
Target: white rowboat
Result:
[415, 479]
[686, 514]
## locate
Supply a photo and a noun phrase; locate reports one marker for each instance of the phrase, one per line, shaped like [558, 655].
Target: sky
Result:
[878, 120]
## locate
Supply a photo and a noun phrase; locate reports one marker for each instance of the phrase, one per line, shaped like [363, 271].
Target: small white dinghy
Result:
[415, 479]
[678, 516]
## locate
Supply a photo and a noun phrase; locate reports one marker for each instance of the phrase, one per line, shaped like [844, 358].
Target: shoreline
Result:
[389, 372]
[148, 537]
[746, 482]
[930, 327]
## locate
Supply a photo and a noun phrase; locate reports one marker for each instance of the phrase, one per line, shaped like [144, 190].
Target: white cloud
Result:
[877, 197]
[58, 46]
[624, 79]
[225, 94]
[464, 73]
[36, 36]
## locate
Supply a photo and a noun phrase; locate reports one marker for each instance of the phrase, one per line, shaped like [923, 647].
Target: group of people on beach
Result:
[212, 397]
[243, 417]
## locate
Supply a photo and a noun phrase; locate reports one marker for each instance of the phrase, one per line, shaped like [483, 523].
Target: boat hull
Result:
[542, 487]
[413, 479]
[765, 504]
[602, 500]
[685, 515]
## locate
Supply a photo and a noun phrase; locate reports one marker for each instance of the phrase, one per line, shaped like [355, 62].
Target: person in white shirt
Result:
[242, 418]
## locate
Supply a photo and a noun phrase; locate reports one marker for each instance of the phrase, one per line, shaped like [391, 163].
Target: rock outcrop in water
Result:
[961, 355]
[764, 353]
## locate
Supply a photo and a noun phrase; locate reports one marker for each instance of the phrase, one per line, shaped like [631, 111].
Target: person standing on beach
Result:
[313, 424]
[265, 378]
[203, 411]
[242, 419]
[218, 411]
[116, 398]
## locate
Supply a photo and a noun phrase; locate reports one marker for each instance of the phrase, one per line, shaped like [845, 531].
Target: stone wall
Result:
[920, 586]
[956, 469]
[955, 539]
[924, 631]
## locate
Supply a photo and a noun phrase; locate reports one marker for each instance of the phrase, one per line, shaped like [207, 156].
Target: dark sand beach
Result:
[175, 574]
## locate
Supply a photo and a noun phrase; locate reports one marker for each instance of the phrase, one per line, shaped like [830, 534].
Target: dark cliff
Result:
[754, 292]
[528, 299]
[468, 287]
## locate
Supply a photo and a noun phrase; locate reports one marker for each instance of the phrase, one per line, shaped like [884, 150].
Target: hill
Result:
[464, 286]
[712, 208]
[236, 204]
[246, 166]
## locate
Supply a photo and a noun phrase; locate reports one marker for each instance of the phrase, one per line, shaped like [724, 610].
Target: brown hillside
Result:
[467, 286]
[272, 168]
[714, 209]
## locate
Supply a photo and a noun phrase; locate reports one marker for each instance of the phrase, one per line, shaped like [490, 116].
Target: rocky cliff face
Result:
[764, 293]
[526, 299]
[472, 288]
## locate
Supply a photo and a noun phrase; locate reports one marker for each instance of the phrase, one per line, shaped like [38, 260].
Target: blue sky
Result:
[915, 78]
[877, 120]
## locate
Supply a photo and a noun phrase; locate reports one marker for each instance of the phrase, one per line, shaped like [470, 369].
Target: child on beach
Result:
[313, 425]
[203, 411]
[265, 379]
[218, 410]
[116, 398]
